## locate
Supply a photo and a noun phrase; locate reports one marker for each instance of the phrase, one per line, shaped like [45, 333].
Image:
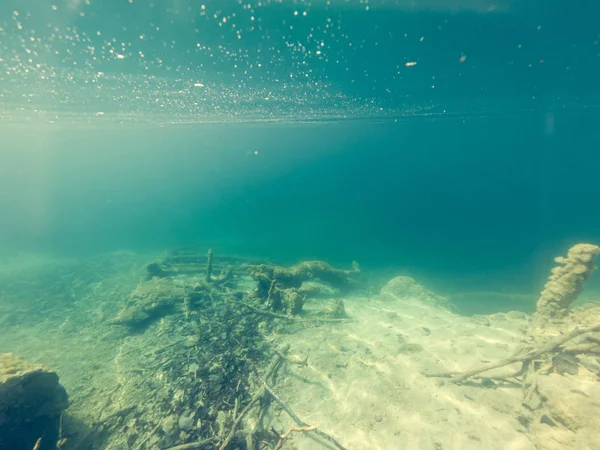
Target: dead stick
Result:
[587, 347]
[288, 359]
[292, 428]
[255, 399]
[148, 436]
[522, 355]
[299, 421]
[593, 338]
[550, 346]
[209, 265]
[281, 316]
[194, 445]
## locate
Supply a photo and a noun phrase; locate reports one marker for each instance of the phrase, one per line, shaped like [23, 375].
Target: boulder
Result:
[31, 404]
[406, 288]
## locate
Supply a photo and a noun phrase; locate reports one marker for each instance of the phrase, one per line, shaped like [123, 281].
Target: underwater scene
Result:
[294, 224]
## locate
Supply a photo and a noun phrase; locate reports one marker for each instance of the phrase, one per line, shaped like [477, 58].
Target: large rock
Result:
[31, 403]
[406, 288]
[151, 299]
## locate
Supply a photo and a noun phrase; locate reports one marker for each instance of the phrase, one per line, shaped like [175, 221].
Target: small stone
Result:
[190, 341]
[186, 421]
[171, 430]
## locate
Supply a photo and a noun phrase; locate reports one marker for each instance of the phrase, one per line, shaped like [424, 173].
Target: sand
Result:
[365, 383]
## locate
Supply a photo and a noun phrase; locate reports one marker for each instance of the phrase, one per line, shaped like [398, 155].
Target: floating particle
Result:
[410, 63]
[463, 58]
[198, 85]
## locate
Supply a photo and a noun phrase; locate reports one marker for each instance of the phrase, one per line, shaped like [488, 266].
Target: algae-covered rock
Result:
[31, 403]
[156, 269]
[406, 288]
[150, 299]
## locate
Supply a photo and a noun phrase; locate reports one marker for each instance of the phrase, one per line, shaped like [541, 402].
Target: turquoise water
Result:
[455, 142]
[469, 203]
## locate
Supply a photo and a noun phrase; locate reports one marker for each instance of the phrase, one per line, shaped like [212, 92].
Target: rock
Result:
[154, 269]
[170, 428]
[150, 300]
[31, 403]
[406, 288]
[186, 421]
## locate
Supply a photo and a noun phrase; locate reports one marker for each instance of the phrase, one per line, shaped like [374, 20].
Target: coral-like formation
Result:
[31, 403]
[565, 284]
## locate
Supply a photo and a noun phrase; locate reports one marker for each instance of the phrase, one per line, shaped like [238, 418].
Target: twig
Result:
[60, 443]
[194, 445]
[304, 362]
[586, 347]
[526, 354]
[255, 399]
[141, 444]
[209, 266]
[292, 428]
[295, 319]
[299, 421]
[235, 409]
[274, 431]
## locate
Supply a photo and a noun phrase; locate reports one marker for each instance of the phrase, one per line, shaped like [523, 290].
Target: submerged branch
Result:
[526, 354]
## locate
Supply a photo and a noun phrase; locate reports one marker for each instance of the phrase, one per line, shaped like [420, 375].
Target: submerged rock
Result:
[31, 403]
[155, 270]
[150, 300]
[406, 288]
[186, 421]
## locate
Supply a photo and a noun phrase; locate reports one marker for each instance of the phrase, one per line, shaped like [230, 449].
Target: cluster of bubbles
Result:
[236, 60]
[178, 61]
